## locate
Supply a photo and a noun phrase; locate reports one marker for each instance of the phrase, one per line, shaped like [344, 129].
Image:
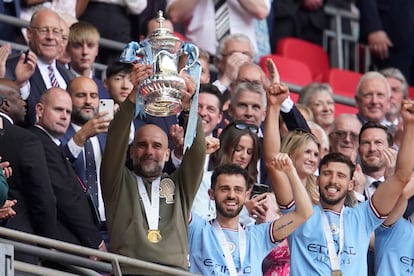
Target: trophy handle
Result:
[132, 53]
[192, 52]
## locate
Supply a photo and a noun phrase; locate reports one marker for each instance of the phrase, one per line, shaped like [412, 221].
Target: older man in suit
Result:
[38, 70]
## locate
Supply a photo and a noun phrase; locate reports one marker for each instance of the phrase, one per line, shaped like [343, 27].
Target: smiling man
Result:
[372, 97]
[335, 239]
[223, 246]
[40, 71]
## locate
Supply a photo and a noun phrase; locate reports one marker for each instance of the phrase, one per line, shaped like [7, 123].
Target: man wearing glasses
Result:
[36, 70]
[343, 137]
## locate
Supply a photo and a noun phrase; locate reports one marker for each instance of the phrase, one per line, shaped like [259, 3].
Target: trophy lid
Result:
[162, 33]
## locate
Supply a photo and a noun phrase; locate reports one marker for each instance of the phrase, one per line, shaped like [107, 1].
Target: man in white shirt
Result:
[200, 18]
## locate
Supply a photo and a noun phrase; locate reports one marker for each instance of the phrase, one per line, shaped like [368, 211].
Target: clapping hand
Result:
[282, 162]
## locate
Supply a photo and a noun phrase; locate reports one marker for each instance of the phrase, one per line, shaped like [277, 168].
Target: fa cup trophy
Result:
[168, 55]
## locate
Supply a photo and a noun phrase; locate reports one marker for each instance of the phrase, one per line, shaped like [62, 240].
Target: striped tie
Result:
[221, 19]
[52, 76]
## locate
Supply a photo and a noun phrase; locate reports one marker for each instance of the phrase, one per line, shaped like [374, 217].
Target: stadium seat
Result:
[343, 82]
[313, 55]
[411, 92]
[341, 108]
[180, 36]
[291, 71]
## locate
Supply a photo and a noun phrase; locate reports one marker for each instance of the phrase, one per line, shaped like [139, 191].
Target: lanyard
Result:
[227, 255]
[333, 257]
[152, 209]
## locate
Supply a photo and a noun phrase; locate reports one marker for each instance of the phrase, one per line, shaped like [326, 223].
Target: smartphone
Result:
[107, 105]
[26, 56]
[259, 189]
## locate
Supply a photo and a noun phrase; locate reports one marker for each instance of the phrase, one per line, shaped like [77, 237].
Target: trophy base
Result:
[162, 94]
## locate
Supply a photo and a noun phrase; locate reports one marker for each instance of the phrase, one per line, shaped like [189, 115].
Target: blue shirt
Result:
[394, 249]
[308, 247]
[207, 257]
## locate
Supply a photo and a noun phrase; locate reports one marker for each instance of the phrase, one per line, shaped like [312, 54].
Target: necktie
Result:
[376, 183]
[221, 19]
[52, 76]
[91, 179]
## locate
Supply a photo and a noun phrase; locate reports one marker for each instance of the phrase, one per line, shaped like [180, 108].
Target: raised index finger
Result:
[273, 72]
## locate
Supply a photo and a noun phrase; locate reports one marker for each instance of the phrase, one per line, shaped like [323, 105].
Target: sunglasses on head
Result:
[241, 125]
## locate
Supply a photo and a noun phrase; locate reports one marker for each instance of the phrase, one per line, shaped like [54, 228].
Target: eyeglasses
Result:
[244, 53]
[240, 125]
[343, 134]
[43, 31]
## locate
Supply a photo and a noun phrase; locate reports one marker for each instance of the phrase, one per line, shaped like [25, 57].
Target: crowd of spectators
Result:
[267, 186]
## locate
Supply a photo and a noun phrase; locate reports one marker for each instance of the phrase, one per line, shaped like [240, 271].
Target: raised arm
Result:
[387, 194]
[401, 204]
[287, 223]
[276, 94]
[257, 8]
[181, 10]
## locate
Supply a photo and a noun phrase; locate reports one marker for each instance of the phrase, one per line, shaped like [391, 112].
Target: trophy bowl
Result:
[168, 56]
[162, 94]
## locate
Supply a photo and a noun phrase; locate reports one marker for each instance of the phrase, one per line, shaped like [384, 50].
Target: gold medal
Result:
[336, 273]
[154, 236]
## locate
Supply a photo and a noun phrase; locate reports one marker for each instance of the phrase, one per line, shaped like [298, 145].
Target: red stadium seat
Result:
[343, 82]
[313, 55]
[180, 36]
[291, 71]
[411, 92]
[341, 108]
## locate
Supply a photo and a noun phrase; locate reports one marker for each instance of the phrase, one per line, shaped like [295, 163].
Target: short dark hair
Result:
[118, 67]
[229, 169]
[213, 90]
[339, 158]
[371, 124]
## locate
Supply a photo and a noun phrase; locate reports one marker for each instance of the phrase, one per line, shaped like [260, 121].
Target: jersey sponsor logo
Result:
[222, 269]
[407, 260]
[322, 253]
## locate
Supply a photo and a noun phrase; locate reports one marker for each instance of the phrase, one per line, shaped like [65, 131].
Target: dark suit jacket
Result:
[29, 183]
[73, 210]
[37, 87]
[396, 18]
[103, 93]
[78, 164]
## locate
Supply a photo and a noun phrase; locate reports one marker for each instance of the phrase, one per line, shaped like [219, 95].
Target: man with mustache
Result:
[147, 211]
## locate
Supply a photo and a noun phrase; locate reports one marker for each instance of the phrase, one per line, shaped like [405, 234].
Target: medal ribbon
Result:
[152, 209]
[227, 255]
[333, 256]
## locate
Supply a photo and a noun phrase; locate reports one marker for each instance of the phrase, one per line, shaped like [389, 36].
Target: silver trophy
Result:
[161, 92]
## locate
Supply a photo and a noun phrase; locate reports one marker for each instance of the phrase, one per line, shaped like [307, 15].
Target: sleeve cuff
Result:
[287, 105]
[360, 197]
[25, 91]
[175, 160]
[74, 149]
[220, 87]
